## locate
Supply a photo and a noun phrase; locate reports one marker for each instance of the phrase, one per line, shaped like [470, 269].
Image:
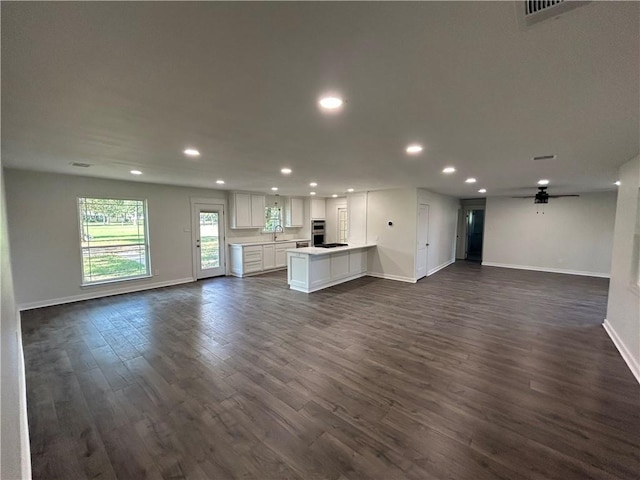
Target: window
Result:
[273, 216]
[342, 225]
[113, 239]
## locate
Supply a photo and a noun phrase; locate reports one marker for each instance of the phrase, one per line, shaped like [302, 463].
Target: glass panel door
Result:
[209, 247]
[342, 225]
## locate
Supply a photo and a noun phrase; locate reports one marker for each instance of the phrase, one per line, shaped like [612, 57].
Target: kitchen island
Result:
[314, 268]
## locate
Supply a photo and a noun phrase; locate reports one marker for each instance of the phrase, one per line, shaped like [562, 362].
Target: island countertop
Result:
[312, 268]
[326, 251]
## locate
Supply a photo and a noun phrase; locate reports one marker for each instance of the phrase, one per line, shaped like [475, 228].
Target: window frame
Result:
[147, 242]
[266, 218]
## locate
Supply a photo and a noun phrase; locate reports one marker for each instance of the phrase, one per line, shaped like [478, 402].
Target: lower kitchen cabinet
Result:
[269, 256]
[254, 259]
[281, 253]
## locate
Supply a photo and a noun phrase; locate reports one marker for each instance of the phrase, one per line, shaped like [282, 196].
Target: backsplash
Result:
[251, 235]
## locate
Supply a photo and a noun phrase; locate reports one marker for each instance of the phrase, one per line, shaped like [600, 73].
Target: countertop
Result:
[327, 251]
[249, 244]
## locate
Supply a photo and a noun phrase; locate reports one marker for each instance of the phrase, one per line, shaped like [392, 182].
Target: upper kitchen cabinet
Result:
[246, 210]
[318, 209]
[294, 212]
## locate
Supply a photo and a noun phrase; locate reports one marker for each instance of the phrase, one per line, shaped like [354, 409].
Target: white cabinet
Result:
[245, 259]
[294, 212]
[281, 253]
[253, 259]
[318, 208]
[246, 210]
[308, 271]
[268, 256]
[257, 211]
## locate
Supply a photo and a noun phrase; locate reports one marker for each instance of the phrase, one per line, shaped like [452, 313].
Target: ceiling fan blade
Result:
[525, 196]
[558, 196]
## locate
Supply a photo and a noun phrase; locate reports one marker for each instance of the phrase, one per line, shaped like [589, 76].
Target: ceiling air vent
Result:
[535, 6]
[80, 164]
[534, 11]
[545, 157]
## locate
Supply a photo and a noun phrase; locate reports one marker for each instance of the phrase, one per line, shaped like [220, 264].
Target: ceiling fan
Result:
[542, 196]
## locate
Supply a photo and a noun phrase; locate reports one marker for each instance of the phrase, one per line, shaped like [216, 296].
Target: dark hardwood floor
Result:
[473, 373]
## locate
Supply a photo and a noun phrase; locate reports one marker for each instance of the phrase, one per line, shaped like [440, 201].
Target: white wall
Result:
[443, 219]
[43, 229]
[394, 256]
[623, 310]
[331, 227]
[575, 234]
[14, 436]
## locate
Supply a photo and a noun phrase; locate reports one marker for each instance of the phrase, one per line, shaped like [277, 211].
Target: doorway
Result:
[470, 233]
[423, 241]
[208, 236]
[342, 225]
[475, 230]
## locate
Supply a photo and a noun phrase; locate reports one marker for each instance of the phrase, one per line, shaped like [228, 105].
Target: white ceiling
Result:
[130, 85]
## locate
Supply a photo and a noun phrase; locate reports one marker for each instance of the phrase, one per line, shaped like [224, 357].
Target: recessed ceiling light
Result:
[448, 170]
[313, 184]
[275, 189]
[470, 180]
[617, 182]
[220, 182]
[312, 193]
[334, 195]
[414, 149]
[482, 190]
[349, 190]
[543, 182]
[191, 152]
[331, 102]
[286, 171]
[136, 172]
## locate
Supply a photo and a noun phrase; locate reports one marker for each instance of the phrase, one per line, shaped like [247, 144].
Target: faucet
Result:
[275, 232]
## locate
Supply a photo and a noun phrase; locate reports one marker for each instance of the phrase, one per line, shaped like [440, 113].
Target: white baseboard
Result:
[25, 446]
[632, 363]
[397, 278]
[547, 269]
[129, 288]
[440, 267]
[323, 285]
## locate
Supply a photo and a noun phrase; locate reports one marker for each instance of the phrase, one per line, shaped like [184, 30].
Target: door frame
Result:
[426, 272]
[468, 210]
[461, 235]
[220, 203]
[465, 214]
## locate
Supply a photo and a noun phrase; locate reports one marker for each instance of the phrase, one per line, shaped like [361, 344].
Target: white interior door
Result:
[423, 241]
[208, 249]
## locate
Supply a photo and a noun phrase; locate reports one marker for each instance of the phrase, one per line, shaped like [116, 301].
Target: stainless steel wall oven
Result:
[317, 232]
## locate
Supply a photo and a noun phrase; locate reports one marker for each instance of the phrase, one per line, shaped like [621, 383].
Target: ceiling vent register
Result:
[534, 11]
[535, 6]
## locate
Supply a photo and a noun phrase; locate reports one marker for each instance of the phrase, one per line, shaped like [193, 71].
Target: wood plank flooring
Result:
[473, 373]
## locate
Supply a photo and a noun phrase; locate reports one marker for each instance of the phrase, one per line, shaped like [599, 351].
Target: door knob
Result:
[427, 244]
